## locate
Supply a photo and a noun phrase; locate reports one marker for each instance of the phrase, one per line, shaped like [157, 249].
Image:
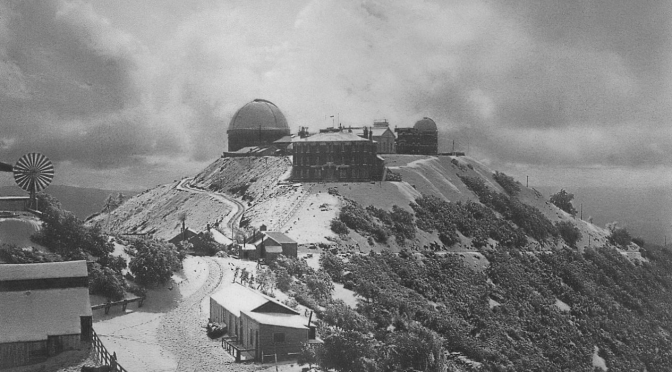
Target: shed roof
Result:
[236, 298]
[280, 320]
[248, 247]
[279, 237]
[69, 269]
[34, 315]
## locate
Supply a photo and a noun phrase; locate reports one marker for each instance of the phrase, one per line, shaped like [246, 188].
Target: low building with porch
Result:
[258, 327]
[275, 243]
[44, 310]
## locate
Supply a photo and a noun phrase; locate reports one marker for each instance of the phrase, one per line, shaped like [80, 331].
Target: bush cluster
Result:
[569, 232]
[471, 219]
[511, 186]
[614, 305]
[528, 218]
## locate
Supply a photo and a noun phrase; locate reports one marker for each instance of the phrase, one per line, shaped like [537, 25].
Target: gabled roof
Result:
[279, 237]
[69, 269]
[237, 298]
[377, 132]
[220, 238]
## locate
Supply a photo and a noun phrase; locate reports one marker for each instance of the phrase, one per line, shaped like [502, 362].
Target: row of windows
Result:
[333, 147]
[317, 160]
[344, 173]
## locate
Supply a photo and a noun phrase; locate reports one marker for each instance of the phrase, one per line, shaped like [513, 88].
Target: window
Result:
[278, 337]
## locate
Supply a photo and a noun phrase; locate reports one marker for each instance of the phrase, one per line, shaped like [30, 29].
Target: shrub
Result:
[639, 241]
[563, 200]
[569, 232]
[332, 265]
[15, 255]
[511, 186]
[339, 227]
[620, 236]
[154, 261]
[106, 282]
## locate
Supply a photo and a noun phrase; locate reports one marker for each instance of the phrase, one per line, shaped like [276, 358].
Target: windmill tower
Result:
[33, 172]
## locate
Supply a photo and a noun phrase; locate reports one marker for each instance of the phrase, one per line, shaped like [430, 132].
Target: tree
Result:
[63, 233]
[283, 279]
[154, 261]
[320, 286]
[106, 282]
[348, 351]
[266, 280]
[332, 265]
[620, 236]
[308, 355]
[563, 200]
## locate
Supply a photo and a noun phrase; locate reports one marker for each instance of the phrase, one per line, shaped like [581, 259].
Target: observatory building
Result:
[422, 138]
[258, 123]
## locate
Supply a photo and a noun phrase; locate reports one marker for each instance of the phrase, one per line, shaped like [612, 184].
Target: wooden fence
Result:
[123, 304]
[101, 355]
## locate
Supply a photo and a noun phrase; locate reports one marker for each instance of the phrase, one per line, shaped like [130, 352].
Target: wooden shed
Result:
[276, 243]
[259, 327]
[44, 310]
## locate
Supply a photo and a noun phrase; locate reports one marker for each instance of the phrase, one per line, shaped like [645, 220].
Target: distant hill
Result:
[83, 202]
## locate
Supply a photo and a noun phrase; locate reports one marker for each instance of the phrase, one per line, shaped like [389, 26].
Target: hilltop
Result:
[260, 186]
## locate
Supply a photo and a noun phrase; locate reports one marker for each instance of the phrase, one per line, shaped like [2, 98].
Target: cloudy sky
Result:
[129, 94]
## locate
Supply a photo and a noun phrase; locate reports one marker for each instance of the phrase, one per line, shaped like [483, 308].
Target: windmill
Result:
[33, 172]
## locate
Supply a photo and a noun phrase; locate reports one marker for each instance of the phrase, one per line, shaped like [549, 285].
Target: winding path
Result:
[232, 220]
[181, 330]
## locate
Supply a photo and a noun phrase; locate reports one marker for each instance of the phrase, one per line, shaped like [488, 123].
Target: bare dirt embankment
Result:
[156, 211]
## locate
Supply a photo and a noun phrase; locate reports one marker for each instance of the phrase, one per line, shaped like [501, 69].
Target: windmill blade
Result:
[33, 172]
[4, 167]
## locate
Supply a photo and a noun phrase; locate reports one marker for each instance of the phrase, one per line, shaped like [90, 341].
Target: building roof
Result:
[285, 139]
[69, 269]
[332, 137]
[377, 132]
[237, 298]
[34, 315]
[248, 247]
[280, 320]
[279, 237]
[425, 125]
[257, 115]
[220, 238]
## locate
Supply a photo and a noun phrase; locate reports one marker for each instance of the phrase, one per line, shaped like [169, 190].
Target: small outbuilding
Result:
[275, 243]
[44, 310]
[259, 328]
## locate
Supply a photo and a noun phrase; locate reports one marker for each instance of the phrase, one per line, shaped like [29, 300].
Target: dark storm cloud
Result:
[71, 91]
[562, 83]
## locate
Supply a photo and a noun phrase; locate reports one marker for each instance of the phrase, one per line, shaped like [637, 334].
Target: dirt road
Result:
[232, 220]
[181, 332]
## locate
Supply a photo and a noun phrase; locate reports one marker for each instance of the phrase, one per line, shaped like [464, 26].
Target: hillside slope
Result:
[305, 210]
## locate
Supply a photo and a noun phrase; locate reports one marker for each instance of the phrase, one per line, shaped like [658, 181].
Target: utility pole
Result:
[581, 211]
[527, 181]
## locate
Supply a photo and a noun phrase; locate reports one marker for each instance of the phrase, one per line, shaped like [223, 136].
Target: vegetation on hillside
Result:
[526, 217]
[524, 312]
[563, 200]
